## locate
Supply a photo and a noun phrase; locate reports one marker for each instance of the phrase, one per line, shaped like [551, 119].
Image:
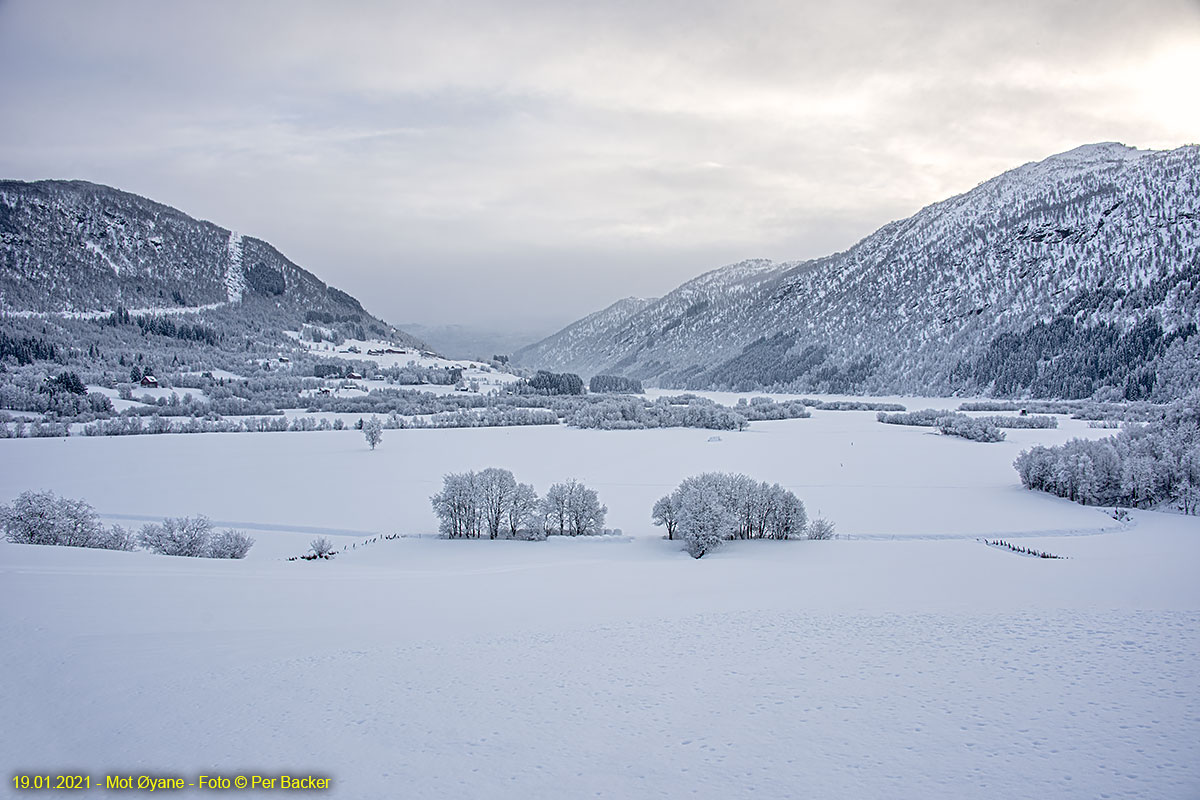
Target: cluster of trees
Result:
[66, 381]
[1069, 358]
[852, 405]
[614, 384]
[194, 537]
[1142, 466]
[980, 429]
[403, 410]
[977, 430]
[765, 408]
[1137, 411]
[32, 430]
[492, 503]
[1027, 421]
[769, 363]
[631, 413]
[26, 349]
[713, 507]
[762, 363]
[50, 398]
[166, 326]
[163, 325]
[494, 417]
[1031, 406]
[46, 518]
[549, 383]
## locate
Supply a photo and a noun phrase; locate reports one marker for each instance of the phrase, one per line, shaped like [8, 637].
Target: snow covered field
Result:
[908, 661]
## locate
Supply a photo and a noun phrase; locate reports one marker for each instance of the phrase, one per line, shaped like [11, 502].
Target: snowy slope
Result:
[73, 246]
[583, 333]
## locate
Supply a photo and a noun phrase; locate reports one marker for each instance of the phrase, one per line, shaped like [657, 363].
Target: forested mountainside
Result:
[72, 246]
[1071, 277]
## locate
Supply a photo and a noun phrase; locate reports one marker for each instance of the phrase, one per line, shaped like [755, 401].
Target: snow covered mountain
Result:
[1073, 276]
[72, 246]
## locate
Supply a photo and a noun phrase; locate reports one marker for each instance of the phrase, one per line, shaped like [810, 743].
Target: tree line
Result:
[1142, 466]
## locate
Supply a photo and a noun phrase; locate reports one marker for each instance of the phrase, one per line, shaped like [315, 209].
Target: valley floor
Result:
[907, 661]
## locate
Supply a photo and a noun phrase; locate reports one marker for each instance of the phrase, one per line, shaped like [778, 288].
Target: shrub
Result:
[821, 528]
[229, 544]
[46, 518]
[967, 428]
[185, 536]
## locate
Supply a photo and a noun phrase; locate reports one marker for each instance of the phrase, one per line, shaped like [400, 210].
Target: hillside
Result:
[1075, 276]
[80, 248]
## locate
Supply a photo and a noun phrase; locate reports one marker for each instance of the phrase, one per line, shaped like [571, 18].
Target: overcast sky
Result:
[521, 164]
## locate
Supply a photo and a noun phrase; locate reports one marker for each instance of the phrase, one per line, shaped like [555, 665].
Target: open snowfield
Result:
[908, 661]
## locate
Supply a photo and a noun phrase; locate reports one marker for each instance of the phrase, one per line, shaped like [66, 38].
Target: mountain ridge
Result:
[77, 247]
[1104, 234]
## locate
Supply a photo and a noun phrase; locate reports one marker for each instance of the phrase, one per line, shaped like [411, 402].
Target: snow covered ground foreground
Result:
[613, 667]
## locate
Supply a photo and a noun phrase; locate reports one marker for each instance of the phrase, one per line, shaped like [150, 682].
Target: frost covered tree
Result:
[572, 509]
[586, 514]
[229, 543]
[704, 518]
[521, 511]
[554, 510]
[784, 516]
[664, 514]
[373, 431]
[46, 518]
[821, 528]
[495, 488]
[491, 500]
[183, 536]
[321, 547]
[749, 510]
[457, 506]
